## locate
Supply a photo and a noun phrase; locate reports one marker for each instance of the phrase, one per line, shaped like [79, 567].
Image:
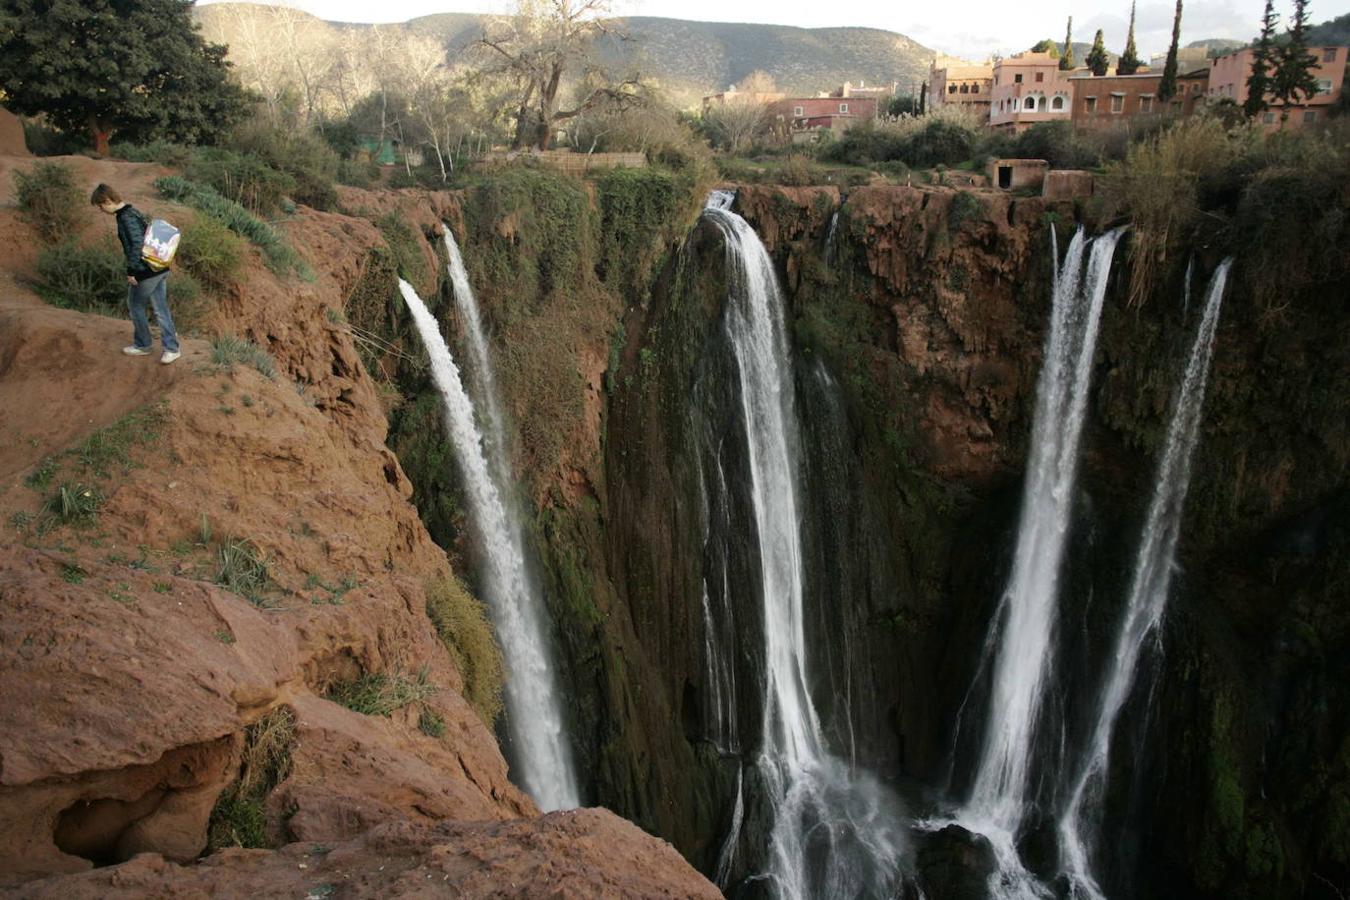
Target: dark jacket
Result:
[131, 225]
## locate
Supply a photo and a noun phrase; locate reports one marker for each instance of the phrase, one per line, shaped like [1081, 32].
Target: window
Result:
[1017, 79]
[965, 89]
[1310, 116]
[951, 89]
[1195, 88]
[1057, 103]
[1268, 118]
[843, 107]
[1324, 85]
[796, 110]
[1029, 103]
[1091, 104]
[974, 88]
[1146, 103]
[1117, 103]
[1329, 54]
[1040, 76]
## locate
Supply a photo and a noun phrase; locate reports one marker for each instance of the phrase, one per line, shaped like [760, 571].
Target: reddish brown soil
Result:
[129, 676]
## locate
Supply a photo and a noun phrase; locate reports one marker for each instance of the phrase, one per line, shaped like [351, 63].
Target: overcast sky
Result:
[972, 28]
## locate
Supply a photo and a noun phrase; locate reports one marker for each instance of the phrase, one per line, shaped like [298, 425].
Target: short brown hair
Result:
[102, 194]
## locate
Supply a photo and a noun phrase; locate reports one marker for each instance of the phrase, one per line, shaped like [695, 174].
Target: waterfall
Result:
[1026, 616]
[1148, 591]
[833, 834]
[533, 701]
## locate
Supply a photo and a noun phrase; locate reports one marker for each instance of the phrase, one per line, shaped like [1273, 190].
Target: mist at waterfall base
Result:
[538, 746]
[822, 827]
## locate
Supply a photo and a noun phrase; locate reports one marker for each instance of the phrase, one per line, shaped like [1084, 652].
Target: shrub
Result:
[462, 624]
[72, 504]
[88, 278]
[309, 163]
[163, 152]
[380, 694]
[210, 252]
[280, 258]
[243, 178]
[190, 308]
[407, 244]
[227, 350]
[243, 570]
[1057, 143]
[48, 199]
[239, 818]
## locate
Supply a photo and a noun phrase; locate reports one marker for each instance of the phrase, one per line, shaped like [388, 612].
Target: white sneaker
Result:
[135, 351]
[169, 356]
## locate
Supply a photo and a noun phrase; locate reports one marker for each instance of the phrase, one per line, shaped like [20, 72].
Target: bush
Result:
[462, 624]
[243, 569]
[44, 139]
[243, 178]
[239, 818]
[72, 504]
[278, 255]
[380, 694]
[162, 152]
[1058, 144]
[211, 253]
[48, 199]
[304, 158]
[228, 350]
[87, 278]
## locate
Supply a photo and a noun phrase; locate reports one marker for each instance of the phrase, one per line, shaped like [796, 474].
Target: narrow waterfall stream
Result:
[1147, 597]
[832, 832]
[1022, 635]
[539, 743]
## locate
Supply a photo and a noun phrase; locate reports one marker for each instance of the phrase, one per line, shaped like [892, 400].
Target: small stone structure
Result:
[1018, 174]
[1067, 184]
[11, 135]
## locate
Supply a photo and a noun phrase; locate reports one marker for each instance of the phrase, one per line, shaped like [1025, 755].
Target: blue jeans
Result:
[155, 290]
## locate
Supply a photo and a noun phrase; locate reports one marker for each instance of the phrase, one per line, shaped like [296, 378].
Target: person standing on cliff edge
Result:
[144, 285]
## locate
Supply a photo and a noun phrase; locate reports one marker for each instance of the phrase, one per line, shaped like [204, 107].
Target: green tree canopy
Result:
[1097, 60]
[136, 68]
[1046, 45]
[1294, 64]
[1129, 62]
[1066, 60]
[1167, 88]
[1263, 58]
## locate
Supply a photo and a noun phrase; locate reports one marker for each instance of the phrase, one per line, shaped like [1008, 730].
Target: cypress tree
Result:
[1167, 89]
[1129, 60]
[1097, 59]
[1066, 58]
[1259, 82]
[1293, 69]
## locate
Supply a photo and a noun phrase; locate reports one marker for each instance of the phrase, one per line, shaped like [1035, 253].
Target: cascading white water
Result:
[833, 834]
[1026, 616]
[1147, 598]
[486, 401]
[533, 702]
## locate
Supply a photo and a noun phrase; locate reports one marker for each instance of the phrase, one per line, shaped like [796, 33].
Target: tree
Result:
[138, 68]
[1129, 62]
[1293, 68]
[923, 99]
[1066, 58]
[538, 46]
[1167, 88]
[1259, 82]
[1046, 45]
[903, 105]
[1097, 59]
[742, 113]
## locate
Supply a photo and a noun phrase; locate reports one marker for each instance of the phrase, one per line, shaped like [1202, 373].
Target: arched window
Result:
[951, 89]
[1029, 104]
[965, 89]
[1057, 103]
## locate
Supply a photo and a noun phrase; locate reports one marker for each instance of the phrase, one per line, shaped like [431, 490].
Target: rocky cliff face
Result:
[155, 677]
[917, 333]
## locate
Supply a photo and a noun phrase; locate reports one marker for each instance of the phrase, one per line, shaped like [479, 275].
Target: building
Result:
[805, 117]
[1018, 174]
[881, 93]
[734, 97]
[966, 84]
[1228, 80]
[1030, 88]
[1119, 101]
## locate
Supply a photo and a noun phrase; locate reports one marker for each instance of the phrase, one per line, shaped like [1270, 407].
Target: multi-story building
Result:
[1119, 101]
[1029, 88]
[1228, 79]
[966, 84]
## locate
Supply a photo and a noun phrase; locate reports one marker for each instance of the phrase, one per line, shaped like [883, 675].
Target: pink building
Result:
[1029, 88]
[965, 84]
[804, 117]
[1228, 79]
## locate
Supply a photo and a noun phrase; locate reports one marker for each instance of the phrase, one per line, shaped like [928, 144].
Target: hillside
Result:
[688, 59]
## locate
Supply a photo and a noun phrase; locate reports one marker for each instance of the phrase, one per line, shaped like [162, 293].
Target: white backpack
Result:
[160, 244]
